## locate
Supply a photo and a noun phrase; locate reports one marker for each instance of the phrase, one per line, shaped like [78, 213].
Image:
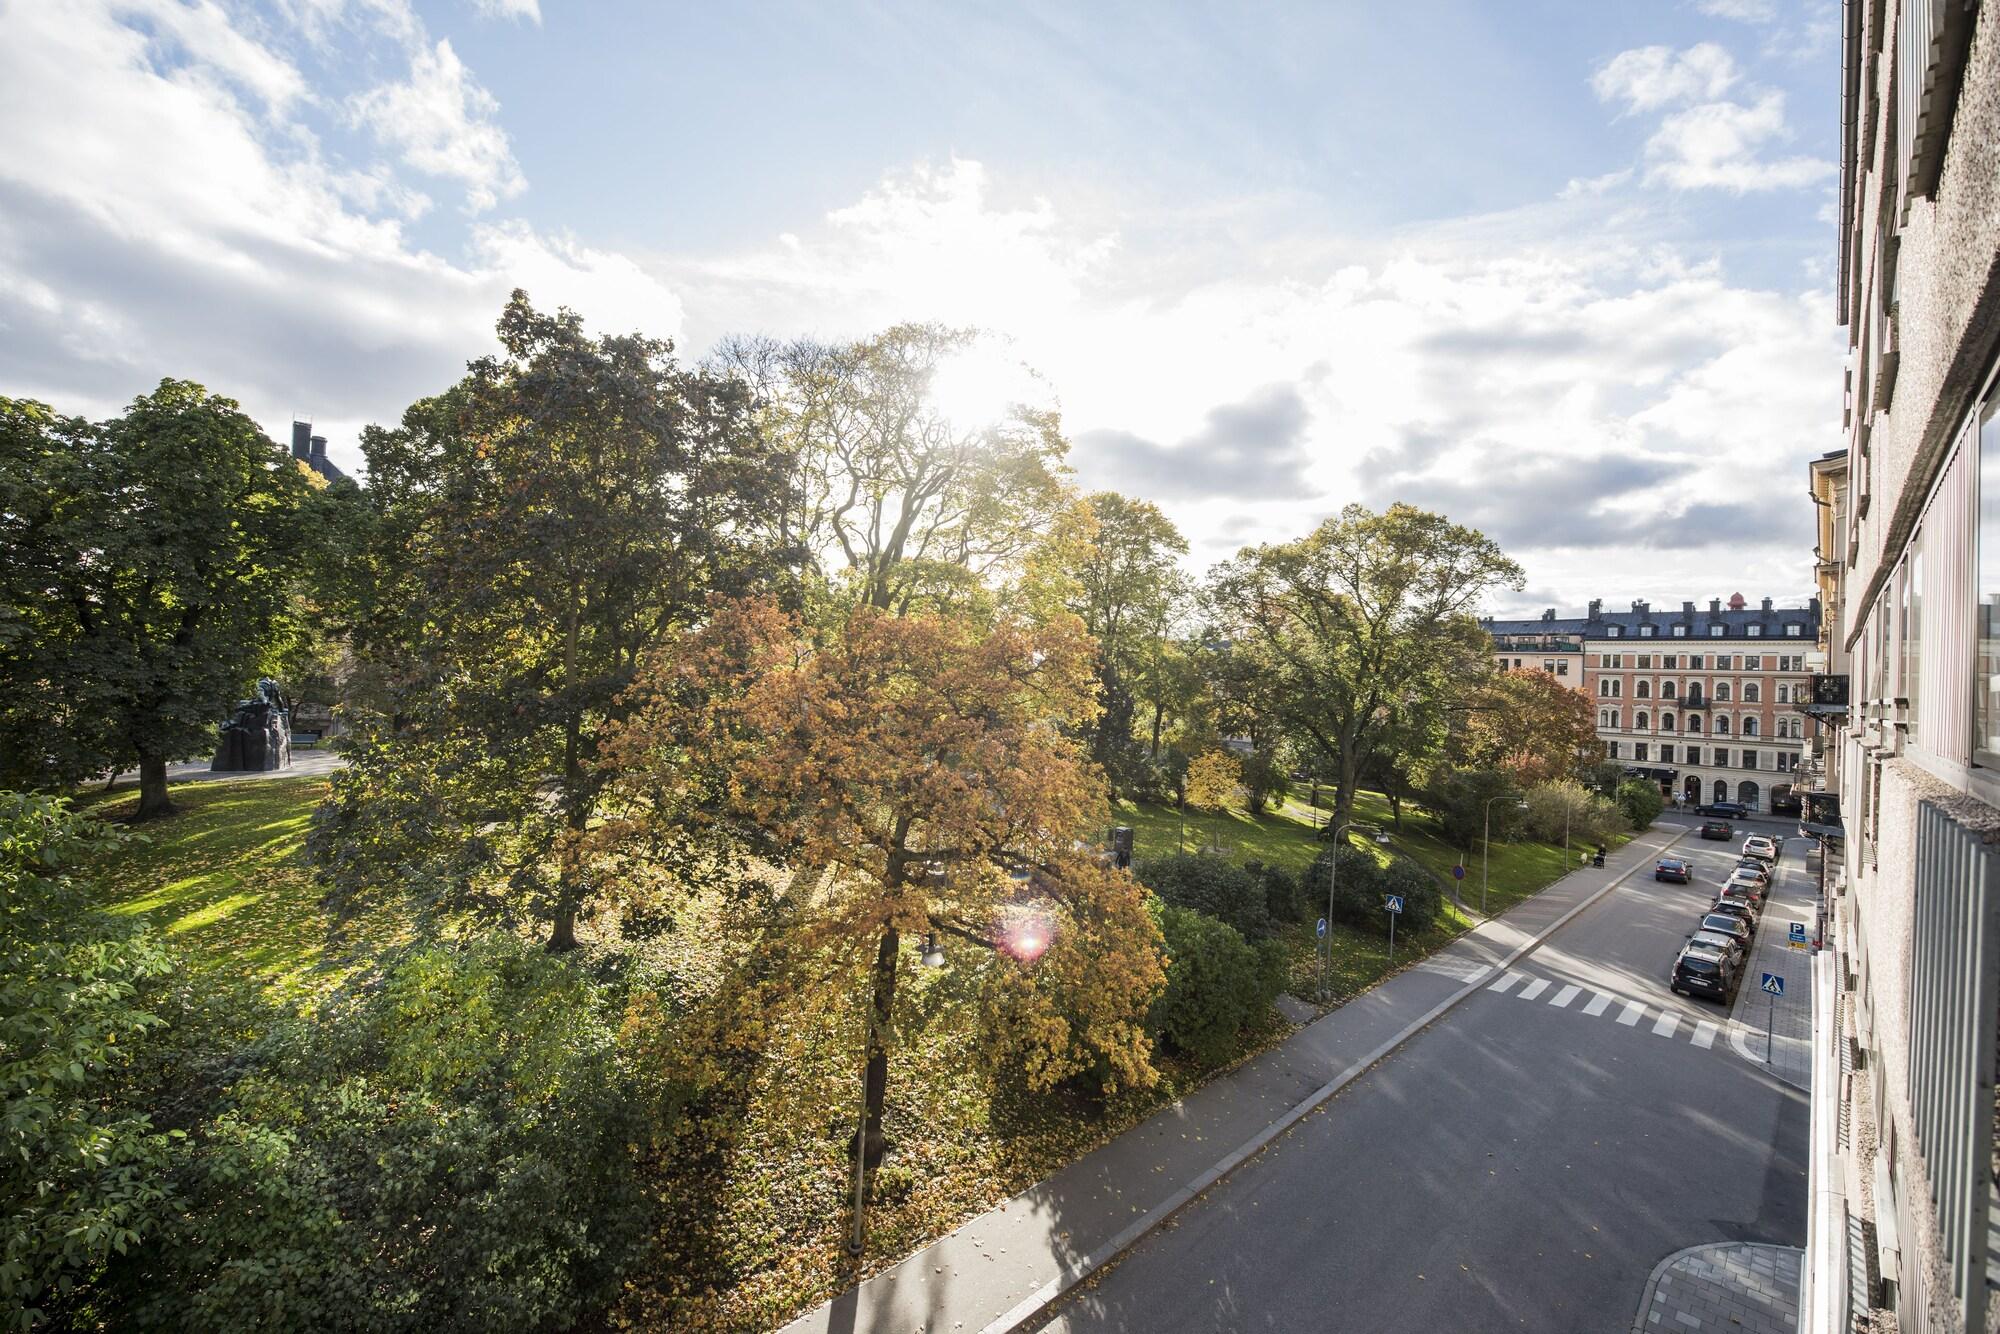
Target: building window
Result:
[1549, 666]
[1640, 721]
[1722, 725]
[1666, 722]
[1643, 689]
[1753, 662]
[1645, 662]
[1749, 725]
[1722, 662]
[1611, 750]
[1562, 667]
[1639, 750]
[1680, 632]
[1715, 632]
[1721, 691]
[1749, 759]
[1645, 632]
[1517, 664]
[1913, 628]
[1669, 661]
[1756, 632]
[1784, 692]
[1694, 662]
[1721, 757]
[1666, 690]
[1666, 752]
[1694, 754]
[1614, 632]
[1694, 723]
[1793, 630]
[1747, 794]
[1750, 692]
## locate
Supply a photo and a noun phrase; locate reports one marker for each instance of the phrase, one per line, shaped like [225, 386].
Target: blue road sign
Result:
[1393, 902]
[1798, 933]
[1322, 928]
[1458, 873]
[1774, 984]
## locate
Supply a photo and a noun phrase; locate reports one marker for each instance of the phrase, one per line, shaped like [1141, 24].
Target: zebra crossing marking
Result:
[1599, 1005]
[1665, 1025]
[1534, 988]
[1562, 998]
[1510, 980]
[1634, 1012]
[1704, 1034]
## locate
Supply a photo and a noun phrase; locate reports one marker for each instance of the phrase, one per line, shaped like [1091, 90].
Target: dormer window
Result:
[1793, 630]
[1614, 631]
[1680, 632]
[1645, 632]
[1756, 631]
[1715, 632]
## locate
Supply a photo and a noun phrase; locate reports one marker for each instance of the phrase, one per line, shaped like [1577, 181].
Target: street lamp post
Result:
[1333, 880]
[1485, 838]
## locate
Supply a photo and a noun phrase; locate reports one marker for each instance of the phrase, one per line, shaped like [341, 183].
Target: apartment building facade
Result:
[1547, 644]
[1905, 1185]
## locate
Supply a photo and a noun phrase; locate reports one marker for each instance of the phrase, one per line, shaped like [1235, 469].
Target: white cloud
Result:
[444, 124]
[1708, 142]
[1716, 146]
[530, 10]
[1743, 11]
[160, 217]
[1650, 77]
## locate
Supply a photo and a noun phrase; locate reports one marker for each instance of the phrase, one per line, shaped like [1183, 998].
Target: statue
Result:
[258, 736]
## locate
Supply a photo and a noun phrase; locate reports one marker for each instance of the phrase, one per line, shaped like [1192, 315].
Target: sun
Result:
[981, 387]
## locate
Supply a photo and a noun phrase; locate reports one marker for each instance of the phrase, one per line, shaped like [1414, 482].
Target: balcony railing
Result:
[1954, 1015]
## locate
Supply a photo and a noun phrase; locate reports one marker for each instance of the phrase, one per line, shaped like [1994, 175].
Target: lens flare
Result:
[1027, 937]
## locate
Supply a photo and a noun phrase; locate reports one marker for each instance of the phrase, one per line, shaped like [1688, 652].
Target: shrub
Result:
[1569, 805]
[1640, 799]
[1211, 885]
[448, 1151]
[1281, 890]
[1461, 799]
[83, 1174]
[1216, 983]
[1265, 780]
[1423, 896]
[1357, 891]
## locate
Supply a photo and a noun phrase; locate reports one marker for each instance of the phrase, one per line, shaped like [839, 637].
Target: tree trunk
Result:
[875, 1078]
[153, 801]
[1159, 717]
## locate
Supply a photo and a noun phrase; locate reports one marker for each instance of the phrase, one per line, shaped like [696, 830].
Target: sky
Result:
[1560, 269]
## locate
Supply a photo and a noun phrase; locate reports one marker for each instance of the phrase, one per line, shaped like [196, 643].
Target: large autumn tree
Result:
[918, 775]
[1531, 726]
[1366, 617]
[539, 528]
[921, 474]
[1127, 585]
[144, 580]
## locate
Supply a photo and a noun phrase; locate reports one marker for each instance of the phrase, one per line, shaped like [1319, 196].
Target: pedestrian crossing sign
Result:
[1774, 984]
[1393, 902]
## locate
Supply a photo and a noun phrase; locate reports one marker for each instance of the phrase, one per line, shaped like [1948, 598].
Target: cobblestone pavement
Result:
[1732, 1286]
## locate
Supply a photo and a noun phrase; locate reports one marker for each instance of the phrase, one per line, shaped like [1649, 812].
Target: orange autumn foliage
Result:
[916, 774]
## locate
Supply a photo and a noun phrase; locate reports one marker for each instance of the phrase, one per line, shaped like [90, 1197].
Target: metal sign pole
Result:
[1392, 940]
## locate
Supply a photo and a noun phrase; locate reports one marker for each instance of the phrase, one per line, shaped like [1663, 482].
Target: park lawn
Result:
[224, 882]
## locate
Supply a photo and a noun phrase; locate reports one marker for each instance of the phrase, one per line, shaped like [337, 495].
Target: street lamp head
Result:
[933, 953]
[1381, 838]
[1521, 805]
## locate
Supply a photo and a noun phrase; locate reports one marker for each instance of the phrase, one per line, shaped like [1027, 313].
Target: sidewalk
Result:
[1776, 1032]
[314, 763]
[1737, 1286]
[999, 1269]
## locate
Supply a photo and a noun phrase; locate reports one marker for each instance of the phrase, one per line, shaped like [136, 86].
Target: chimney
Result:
[1715, 606]
[1596, 608]
[302, 439]
[318, 450]
[1687, 610]
[1548, 613]
[1767, 604]
[1640, 608]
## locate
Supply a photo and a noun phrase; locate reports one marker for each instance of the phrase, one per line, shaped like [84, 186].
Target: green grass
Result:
[225, 883]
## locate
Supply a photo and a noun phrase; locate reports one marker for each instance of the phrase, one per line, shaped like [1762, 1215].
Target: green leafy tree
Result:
[83, 1174]
[1368, 615]
[1212, 780]
[1641, 801]
[1127, 586]
[540, 527]
[1468, 803]
[1213, 886]
[450, 1147]
[144, 581]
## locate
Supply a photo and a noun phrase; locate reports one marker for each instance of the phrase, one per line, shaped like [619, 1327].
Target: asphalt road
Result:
[1522, 1164]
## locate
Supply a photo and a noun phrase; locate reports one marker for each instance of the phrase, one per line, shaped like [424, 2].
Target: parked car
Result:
[1738, 952]
[1729, 925]
[1721, 829]
[1758, 870]
[1748, 884]
[1705, 970]
[1753, 904]
[1733, 906]
[1757, 845]
[1678, 869]
[1735, 810]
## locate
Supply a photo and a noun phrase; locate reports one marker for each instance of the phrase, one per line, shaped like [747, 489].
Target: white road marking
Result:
[1704, 1035]
[1508, 981]
[1665, 1025]
[1534, 988]
[1598, 1006]
[1562, 998]
[1633, 1013]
